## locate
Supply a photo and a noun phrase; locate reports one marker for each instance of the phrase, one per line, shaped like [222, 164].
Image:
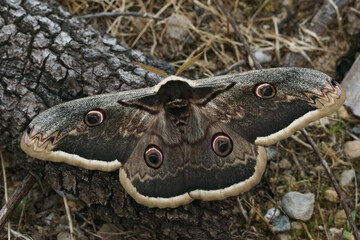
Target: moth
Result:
[183, 140]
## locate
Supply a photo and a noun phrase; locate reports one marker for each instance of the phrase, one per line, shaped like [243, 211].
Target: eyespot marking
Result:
[265, 90]
[153, 156]
[94, 117]
[221, 144]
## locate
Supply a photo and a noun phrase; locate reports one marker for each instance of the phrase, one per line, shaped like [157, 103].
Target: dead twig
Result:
[298, 165]
[240, 37]
[68, 215]
[297, 139]
[259, 215]
[230, 68]
[118, 14]
[18, 235]
[307, 231]
[14, 200]
[5, 189]
[322, 220]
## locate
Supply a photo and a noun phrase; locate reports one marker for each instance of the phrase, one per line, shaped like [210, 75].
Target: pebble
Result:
[324, 121]
[271, 153]
[281, 224]
[352, 150]
[340, 218]
[298, 206]
[69, 196]
[109, 232]
[344, 114]
[335, 233]
[347, 176]
[178, 25]
[273, 165]
[271, 214]
[297, 228]
[283, 237]
[331, 195]
[285, 164]
[262, 57]
[355, 130]
[63, 235]
[288, 172]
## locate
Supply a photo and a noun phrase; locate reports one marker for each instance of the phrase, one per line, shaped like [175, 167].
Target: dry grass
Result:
[205, 27]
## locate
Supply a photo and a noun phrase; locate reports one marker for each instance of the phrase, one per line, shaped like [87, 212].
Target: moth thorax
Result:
[178, 112]
[177, 107]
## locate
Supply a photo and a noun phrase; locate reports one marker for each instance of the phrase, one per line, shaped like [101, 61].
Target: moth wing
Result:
[60, 133]
[191, 170]
[301, 96]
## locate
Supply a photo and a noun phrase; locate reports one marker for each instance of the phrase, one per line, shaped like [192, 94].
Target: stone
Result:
[262, 57]
[347, 177]
[271, 214]
[355, 130]
[285, 164]
[297, 228]
[340, 218]
[352, 150]
[281, 224]
[271, 153]
[283, 236]
[335, 233]
[109, 231]
[331, 195]
[298, 206]
[178, 26]
[273, 166]
[347, 115]
[63, 235]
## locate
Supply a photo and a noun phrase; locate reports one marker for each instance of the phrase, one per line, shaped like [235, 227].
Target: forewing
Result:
[302, 96]
[61, 135]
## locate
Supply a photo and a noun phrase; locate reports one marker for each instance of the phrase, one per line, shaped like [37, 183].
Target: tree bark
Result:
[47, 56]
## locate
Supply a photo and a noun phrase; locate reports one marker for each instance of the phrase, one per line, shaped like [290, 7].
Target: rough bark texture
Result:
[48, 57]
